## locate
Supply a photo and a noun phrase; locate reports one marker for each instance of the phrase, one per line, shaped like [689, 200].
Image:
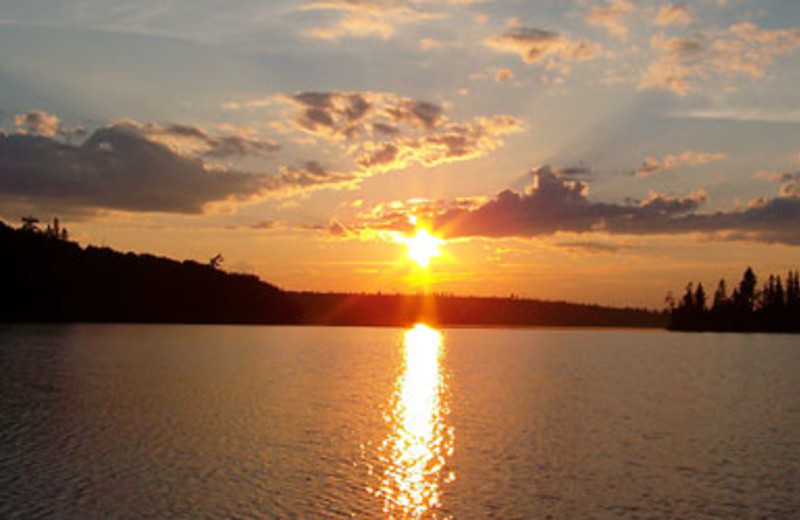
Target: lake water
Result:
[133, 422]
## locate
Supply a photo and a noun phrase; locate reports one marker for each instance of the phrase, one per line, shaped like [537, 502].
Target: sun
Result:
[422, 247]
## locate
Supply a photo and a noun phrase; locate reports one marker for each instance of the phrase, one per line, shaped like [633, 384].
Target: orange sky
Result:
[596, 150]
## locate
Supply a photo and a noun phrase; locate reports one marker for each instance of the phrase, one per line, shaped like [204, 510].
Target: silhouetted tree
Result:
[30, 223]
[48, 279]
[745, 298]
[792, 291]
[687, 302]
[216, 261]
[669, 301]
[699, 299]
[720, 296]
[775, 308]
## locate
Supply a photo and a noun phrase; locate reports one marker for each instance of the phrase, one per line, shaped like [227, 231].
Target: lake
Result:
[162, 421]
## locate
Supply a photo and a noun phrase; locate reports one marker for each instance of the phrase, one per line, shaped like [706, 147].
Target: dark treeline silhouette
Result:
[46, 278]
[775, 307]
[438, 309]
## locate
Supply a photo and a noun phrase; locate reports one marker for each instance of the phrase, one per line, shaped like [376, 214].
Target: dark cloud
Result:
[388, 132]
[120, 167]
[265, 225]
[381, 155]
[554, 204]
[332, 114]
[591, 247]
[384, 129]
[535, 46]
[420, 113]
[351, 114]
[312, 173]
[188, 139]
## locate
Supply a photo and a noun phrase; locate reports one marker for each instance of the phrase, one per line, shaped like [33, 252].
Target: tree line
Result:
[774, 307]
[44, 277]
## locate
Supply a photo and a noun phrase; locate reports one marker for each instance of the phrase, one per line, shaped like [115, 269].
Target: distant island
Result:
[48, 278]
[775, 307]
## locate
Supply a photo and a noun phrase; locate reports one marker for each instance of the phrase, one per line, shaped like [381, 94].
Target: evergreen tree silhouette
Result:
[775, 308]
[699, 299]
[746, 295]
[720, 296]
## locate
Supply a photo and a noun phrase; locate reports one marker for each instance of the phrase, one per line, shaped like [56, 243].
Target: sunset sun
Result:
[422, 247]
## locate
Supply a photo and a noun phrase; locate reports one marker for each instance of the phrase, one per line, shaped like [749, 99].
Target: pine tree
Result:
[747, 291]
[720, 296]
[792, 290]
[700, 298]
[687, 302]
[779, 296]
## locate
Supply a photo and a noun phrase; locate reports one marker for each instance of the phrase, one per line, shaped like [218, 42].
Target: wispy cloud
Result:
[653, 166]
[366, 18]
[613, 17]
[541, 47]
[741, 114]
[673, 14]
[742, 50]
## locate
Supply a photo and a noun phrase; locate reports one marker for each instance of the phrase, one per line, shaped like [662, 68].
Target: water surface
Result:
[118, 421]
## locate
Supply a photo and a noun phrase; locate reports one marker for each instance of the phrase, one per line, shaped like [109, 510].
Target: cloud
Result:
[265, 225]
[678, 63]
[612, 17]
[591, 247]
[789, 182]
[673, 14]
[668, 74]
[365, 18]
[383, 131]
[742, 50]
[37, 122]
[193, 140]
[552, 204]
[791, 186]
[749, 49]
[549, 205]
[312, 173]
[574, 172]
[430, 43]
[679, 48]
[450, 142]
[120, 167]
[502, 75]
[742, 114]
[335, 115]
[652, 165]
[537, 46]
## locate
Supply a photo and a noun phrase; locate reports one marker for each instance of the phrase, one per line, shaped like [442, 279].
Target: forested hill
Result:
[404, 309]
[46, 278]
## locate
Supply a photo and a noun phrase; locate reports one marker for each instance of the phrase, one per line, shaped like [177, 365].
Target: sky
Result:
[602, 151]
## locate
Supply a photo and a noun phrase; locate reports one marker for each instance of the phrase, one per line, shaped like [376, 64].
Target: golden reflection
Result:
[420, 442]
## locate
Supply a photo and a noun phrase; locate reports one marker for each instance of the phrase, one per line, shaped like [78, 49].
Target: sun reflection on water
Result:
[419, 441]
